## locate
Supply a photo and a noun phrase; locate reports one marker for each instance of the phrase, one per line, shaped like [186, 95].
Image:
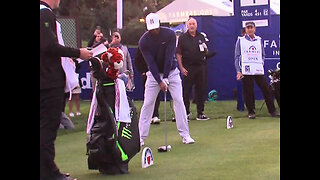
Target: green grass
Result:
[251, 150]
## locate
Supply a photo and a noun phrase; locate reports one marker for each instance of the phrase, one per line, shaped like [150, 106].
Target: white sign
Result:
[257, 11]
[147, 157]
[229, 122]
[253, 2]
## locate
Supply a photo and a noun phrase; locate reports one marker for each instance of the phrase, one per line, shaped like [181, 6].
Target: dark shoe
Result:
[275, 114]
[202, 117]
[173, 119]
[252, 116]
[188, 117]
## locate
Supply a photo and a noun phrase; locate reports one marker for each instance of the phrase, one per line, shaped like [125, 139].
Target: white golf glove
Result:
[166, 81]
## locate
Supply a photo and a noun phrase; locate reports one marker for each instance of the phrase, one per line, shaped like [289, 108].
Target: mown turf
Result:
[251, 150]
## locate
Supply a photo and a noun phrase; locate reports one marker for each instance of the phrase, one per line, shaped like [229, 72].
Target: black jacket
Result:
[188, 47]
[51, 71]
[139, 62]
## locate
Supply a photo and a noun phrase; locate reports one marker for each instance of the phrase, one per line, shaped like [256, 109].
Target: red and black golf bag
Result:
[111, 144]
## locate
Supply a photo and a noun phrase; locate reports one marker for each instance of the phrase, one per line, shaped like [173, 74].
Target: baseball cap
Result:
[250, 23]
[152, 21]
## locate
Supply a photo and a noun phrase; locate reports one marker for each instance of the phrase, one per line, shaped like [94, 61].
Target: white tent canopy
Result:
[180, 10]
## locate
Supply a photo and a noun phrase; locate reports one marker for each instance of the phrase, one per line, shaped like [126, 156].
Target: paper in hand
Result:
[97, 50]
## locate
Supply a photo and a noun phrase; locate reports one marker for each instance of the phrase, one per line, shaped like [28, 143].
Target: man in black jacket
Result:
[52, 82]
[191, 56]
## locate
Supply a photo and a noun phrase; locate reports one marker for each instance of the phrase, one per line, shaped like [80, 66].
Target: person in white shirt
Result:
[249, 64]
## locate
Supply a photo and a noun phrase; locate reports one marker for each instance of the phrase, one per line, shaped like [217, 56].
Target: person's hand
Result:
[113, 42]
[106, 42]
[184, 71]
[163, 87]
[239, 76]
[96, 32]
[85, 54]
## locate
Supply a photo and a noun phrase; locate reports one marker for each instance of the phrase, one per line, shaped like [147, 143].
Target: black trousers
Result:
[204, 84]
[196, 77]
[51, 102]
[157, 104]
[248, 92]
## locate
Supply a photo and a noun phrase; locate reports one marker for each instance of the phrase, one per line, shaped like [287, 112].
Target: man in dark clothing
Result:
[52, 82]
[191, 57]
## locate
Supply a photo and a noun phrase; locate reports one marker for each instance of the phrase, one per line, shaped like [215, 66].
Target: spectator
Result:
[191, 56]
[96, 39]
[52, 82]
[249, 61]
[126, 72]
[66, 122]
[75, 94]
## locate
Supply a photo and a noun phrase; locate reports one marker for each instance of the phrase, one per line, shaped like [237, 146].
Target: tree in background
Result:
[92, 13]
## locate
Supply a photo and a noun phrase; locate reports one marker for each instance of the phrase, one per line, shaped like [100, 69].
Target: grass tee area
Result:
[251, 150]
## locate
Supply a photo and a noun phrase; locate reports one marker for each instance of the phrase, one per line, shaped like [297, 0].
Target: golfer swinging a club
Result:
[158, 46]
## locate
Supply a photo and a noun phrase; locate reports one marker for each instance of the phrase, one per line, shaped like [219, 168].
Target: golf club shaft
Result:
[165, 119]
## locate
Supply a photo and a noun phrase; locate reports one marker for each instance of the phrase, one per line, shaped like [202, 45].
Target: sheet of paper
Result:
[97, 50]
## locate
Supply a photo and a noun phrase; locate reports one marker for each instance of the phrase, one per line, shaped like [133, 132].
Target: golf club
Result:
[166, 147]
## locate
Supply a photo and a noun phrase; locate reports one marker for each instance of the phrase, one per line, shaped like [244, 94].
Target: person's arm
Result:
[146, 53]
[48, 39]
[263, 51]
[179, 57]
[129, 62]
[169, 54]
[182, 69]
[237, 60]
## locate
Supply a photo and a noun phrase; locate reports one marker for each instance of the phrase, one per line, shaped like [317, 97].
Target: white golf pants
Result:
[152, 89]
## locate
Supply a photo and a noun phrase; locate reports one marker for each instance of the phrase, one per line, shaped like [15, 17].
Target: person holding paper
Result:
[52, 83]
[249, 61]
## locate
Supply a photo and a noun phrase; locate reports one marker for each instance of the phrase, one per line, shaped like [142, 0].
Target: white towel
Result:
[122, 108]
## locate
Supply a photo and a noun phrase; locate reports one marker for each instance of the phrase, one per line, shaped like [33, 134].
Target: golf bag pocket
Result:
[128, 133]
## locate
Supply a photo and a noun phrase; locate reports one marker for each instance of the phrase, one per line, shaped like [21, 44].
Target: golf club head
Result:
[164, 148]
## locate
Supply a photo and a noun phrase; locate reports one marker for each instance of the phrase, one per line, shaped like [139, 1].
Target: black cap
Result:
[250, 24]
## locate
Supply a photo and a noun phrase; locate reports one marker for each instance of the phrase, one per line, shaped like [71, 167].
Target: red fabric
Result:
[116, 57]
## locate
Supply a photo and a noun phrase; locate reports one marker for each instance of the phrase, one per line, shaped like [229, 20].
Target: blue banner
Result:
[222, 33]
